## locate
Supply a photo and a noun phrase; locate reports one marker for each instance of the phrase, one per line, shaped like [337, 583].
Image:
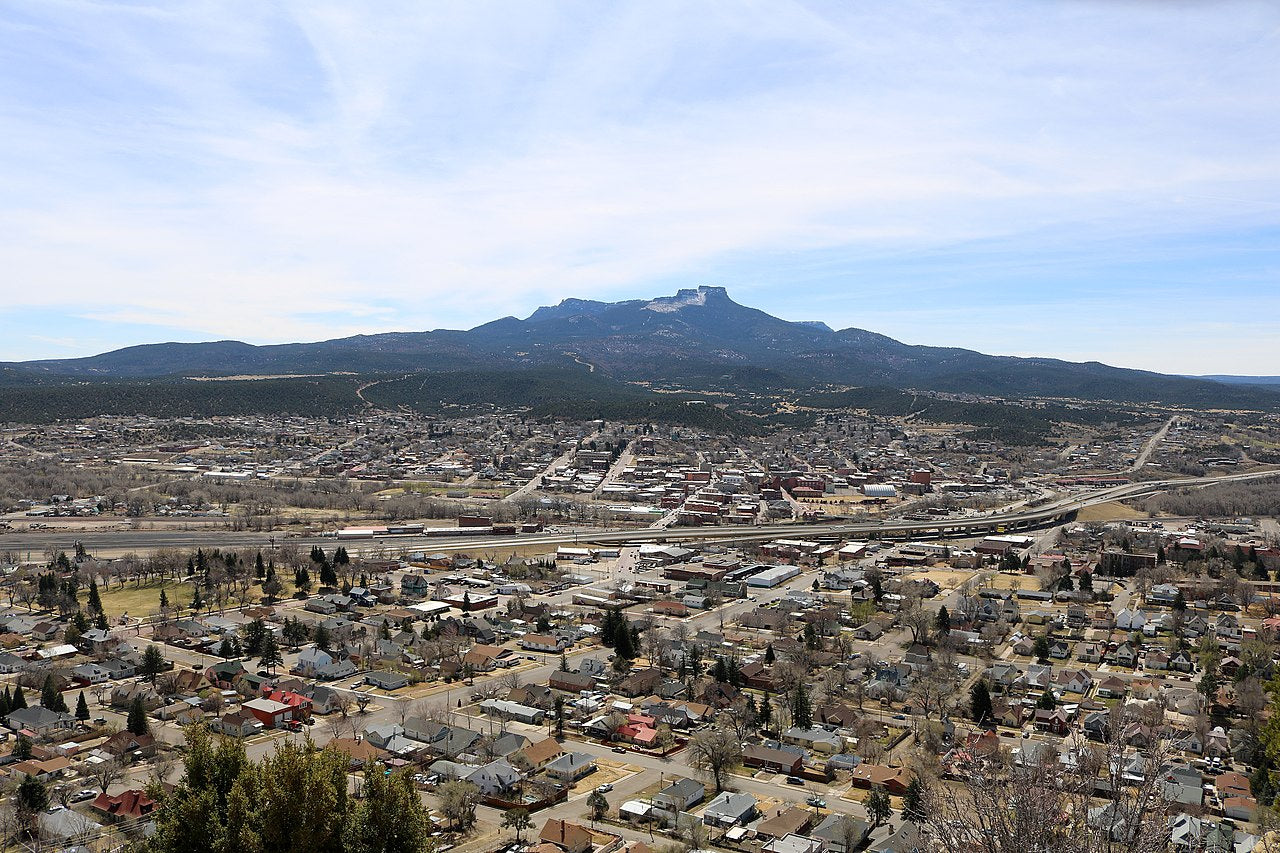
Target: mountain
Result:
[1242, 380]
[698, 338]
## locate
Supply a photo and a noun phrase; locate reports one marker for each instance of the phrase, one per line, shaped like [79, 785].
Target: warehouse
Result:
[773, 576]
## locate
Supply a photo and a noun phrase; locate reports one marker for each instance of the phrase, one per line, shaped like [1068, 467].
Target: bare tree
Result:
[715, 752]
[107, 773]
[1050, 805]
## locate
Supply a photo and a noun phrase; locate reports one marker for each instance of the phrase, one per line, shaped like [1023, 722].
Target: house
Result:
[542, 753]
[1074, 681]
[496, 777]
[61, 824]
[544, 643]
[571, 682]
[642, 682]
[780, 761]
[729, 809]
[907, 838]
[570, 837]
[680, 796]
[1090, 652]
[513, 711]
[39, 720]
[815, 738]
[237, 724]
[270, 713]
[127, 805]
[841, 833]
[790, 821]
[1112, 687]
[1130, 620]
[90, 673]
[124, 743]
[360, 752]
[1125, 655]
[571, 767]
[387, 680]
[893, 779]
[123, 695]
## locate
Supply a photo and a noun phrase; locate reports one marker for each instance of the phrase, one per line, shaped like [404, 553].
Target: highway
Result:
[1054, 511]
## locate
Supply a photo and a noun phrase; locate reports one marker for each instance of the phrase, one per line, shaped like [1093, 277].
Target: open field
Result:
[1110, 511]
[948, 579]
[1013, 582]
[141, 601]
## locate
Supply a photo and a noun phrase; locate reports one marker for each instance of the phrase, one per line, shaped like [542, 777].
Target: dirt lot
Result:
[1110, 511]
[948, 579]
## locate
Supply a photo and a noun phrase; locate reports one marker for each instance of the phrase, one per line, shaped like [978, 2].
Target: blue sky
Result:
[1086, 180]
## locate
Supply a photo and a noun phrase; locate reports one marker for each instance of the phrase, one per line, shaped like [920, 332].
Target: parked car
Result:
[794, 780]
[605, 788]
[817, 802]
[86, 794]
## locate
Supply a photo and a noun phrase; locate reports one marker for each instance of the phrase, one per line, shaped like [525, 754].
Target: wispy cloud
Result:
[295, 171]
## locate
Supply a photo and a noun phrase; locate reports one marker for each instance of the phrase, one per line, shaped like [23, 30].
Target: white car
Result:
[604, 789]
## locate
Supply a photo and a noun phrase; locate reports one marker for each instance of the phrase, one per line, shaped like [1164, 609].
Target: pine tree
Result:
[164, 600]
[913, 801]
[19, 699]
[980, 702]
[259, 568]
[624, 644]
[270, 655]
[95, 601]
[766, 710]
[101, 622]
[5, 699]
[943, 620]
[82, 708]
[801, 710]
[137, 723]
[50, 697]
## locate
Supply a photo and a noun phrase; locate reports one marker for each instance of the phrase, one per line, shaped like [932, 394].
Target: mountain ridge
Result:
[696, 335]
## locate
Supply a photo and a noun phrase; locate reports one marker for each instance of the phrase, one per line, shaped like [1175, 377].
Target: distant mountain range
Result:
[697, 339]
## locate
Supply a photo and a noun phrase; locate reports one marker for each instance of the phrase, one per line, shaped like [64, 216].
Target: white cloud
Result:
[280, 173]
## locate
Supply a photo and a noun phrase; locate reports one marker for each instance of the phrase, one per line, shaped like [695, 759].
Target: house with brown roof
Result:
[542, 753]
[127, 805]
[792, 821]
[125, 743]
[777, 760]
[570, 837]
[893, 779]
[360, 752]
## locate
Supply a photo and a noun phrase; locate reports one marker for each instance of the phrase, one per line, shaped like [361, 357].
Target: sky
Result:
[1083, 180]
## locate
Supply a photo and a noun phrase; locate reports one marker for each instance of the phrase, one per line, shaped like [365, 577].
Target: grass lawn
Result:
[1109, 511]
[140, 601]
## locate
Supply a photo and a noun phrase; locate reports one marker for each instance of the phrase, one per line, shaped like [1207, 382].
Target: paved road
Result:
[1151, 444]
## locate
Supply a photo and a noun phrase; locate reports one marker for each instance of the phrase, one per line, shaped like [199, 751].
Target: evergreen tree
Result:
[913, 801]
[22, 748]
[153, 663]
[164, 599]
[1179, 602]
[95, 601]
[769, 656]
[624, 643]
[19, 699]
[50, 697]
[322, 638]
[801, 710]
[879, 807]
[980, 702]
[943, 620]
[196, 601]
[270, 656]
[137, 723]
[5, 699]
[259, 568]
[766, 710]
[82, 708]
[101, 622]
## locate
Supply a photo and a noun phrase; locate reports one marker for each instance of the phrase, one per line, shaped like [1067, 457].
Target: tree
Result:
[517, 820]
[22, 748]
[599, 805]
[458, 802]
[1179, 602]
[19, 699]
[1046, 702]
[107, 773]
[225, 649]
[769, 656]
[322, 640]
[801, 709]
[82, 708]
[50, 697]
[766, 711]
[164, 600]
[913, 800]
[270, 656]
[943, 620]
[879, 809]
[153, 663]
[32, 800]
[559, 712]
[980, 702]
[389, 817]
[1041, 647]
[95, 600]
[715, 752]
[1208, 686]
[137, 722]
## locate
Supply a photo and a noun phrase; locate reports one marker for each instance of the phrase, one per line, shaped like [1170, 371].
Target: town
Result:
[584, 637]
